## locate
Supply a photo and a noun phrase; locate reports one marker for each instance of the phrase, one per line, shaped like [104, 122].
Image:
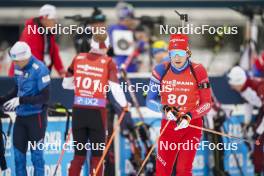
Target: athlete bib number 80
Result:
[180, 100]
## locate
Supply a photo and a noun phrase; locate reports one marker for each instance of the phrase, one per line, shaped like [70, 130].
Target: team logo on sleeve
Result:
[203, 108]
[46, 79]
[18, 72]
[35, 66]
[155, 74]
[26, 75]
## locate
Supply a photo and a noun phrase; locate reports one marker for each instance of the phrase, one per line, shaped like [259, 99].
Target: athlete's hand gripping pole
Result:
[218, 133]
[187, 119]
[121, 117]
[152, 148]
[129, 59]
[201, 128]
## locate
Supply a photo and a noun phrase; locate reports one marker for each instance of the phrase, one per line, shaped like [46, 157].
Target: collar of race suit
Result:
[181, 69]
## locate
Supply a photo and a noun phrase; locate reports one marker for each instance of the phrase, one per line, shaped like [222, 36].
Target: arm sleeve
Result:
[68, 83]
[153, 99]
[118, 93]
[43, 82]
[11, 94]
[70, 70]
[68, 80]
[260, 127]
[251, 97]
[43, 78]
[115, 87]
[248, 111]
[204, 93]
[113, 72]
[260, 92]
[41, 98]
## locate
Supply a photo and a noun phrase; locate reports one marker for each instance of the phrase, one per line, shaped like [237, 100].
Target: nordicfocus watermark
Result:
[68, 30]
[193, 145]
[137, 87]
[200, 30]
[59, 145]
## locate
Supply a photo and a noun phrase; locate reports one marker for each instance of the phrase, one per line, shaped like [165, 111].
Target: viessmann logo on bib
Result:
[87, 67]
[174, 82]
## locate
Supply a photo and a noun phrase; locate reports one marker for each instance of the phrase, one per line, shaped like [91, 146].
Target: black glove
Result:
[256, 136]
[2, 100]
[173, 109]
[220, 118]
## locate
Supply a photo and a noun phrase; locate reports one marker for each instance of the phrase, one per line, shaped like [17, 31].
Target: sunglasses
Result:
[180, 53]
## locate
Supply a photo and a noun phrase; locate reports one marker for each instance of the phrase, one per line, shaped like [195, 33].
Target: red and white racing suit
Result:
[91, 75]
[253, 93]
[183, 93]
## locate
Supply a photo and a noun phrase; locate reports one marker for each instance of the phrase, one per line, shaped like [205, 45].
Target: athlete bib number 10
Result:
[86, 83]
[180, 100]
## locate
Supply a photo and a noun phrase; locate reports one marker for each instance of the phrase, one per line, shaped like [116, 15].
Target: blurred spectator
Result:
[43, 46]
[258, 65]
[142, 37]
[126, 22]
[4, 61]
[160, 51]
[87, 128]
[252, 90]
[82, 41]
[28, 98]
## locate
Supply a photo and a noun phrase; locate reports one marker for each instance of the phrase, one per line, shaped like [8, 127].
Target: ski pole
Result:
[152, 148]
[121, 117]
[218, 133]
[130, 58]
[133, 96]
[62, 153]
[124, 75]
[170, 115]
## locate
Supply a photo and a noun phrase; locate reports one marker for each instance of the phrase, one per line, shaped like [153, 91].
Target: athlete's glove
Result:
[11, 105]
[183, 121]
[171, 112]
[123, 66]
[68, 83]
[127, 107]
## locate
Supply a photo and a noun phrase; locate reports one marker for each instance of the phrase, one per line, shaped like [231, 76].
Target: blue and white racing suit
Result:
[32, 88]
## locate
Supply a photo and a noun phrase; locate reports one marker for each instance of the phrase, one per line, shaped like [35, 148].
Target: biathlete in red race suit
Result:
[183, 86]
[252, 90]
[89, 75]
